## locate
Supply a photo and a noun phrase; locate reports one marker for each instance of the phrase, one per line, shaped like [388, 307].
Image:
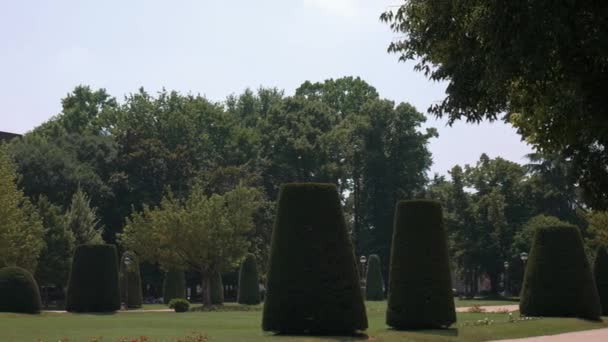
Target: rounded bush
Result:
[18, 291]
[249, 288]
[217, 289]
[174, 285]
[558, 281]
[420, 289]
[374, 284]
[600, 270]
[179, 304]
[130, 281]
[93, 284]
[313, 284]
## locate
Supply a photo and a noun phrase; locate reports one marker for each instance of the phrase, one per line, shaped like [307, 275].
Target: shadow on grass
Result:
[449, 332]
[329, 336]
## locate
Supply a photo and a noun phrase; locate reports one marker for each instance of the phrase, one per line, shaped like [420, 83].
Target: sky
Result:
[216, 48]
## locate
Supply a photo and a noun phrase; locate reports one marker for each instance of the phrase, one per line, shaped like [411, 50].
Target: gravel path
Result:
[597, 335]
[497, 308]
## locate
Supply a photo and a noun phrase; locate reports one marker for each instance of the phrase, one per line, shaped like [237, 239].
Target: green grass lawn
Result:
[238, 326]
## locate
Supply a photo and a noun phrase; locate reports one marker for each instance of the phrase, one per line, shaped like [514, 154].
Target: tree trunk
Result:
[206, 288]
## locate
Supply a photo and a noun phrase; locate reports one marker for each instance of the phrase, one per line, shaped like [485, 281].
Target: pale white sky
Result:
[215, 48]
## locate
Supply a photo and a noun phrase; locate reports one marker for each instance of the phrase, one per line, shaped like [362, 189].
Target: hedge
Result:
[93, 284]
[558, 281]
[18, 291]
[174, 285]
[374, 284]
[420, 295]
[132, 280]
[600, 270]
[249, 288]
[217, 289]
[313, 284]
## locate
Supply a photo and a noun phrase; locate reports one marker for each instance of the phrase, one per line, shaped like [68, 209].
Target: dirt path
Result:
[497, 308]
[597, 335]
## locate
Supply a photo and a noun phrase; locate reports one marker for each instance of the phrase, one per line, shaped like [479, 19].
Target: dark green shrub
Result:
[420, 290]
[93, 284]
[600, 270]
[18, 291]
[179, 304]
[313, 284]
[558, 280]
[131, 282]
[174, 285]
[374, 285]
[249, 287]
[217, 289]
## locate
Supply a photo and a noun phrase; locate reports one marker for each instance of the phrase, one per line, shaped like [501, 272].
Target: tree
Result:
[18, 291]
[598, 228]
[21, 231]
[217, 289]
[374, 284]
[550, 84]
[249, 282]
[420, 284]
[174, 285]
[305, 292]
[56, 258]
[600, 273]
[82, 220]
[206, 234]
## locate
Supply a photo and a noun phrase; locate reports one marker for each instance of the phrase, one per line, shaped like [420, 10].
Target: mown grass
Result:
[238, 326]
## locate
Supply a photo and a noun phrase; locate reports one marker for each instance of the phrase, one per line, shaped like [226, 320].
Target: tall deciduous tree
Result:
[202, 233]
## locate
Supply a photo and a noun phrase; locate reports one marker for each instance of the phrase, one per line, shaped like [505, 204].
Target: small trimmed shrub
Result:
[179, 304]
[18, 291]
[374, 285]
[313, 283]
[174, 285]
[420, 290]
[132, 280]
[217, 289]
[93, 284]
[558, 281]
[249, 288]
[600, 270]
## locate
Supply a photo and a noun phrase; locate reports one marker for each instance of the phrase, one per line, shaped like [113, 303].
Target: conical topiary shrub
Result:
[18, 291]
[174, 285]
[131, 282]
[217, 289]
[558, 280]
[249, 288]
[313, 284]
[420, 290]
[93, 284]
[600, 270]
[374, 284]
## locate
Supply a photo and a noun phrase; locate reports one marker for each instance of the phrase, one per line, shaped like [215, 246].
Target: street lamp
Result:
[524, 257]
[127, 260]
[506, 265]
[363, 260]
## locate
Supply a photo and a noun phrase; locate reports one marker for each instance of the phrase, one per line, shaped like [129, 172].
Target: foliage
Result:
[374, 284]
[56, 257]
[174, 285]
[82, 220]
[130, 281]
[522, 242]
[558, 280]
[420, 285]
[600, 273]
[598, 228]
[179, 304]
[217, 289]
[21, 231]
[18, 291]
[202, 233]
[305, 292]
[550, 84]
[93, 285]
[249, 282]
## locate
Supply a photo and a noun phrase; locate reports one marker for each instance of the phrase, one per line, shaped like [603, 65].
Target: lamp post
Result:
[363, 260]
[506, 265]
[524, 257]
[127, 260]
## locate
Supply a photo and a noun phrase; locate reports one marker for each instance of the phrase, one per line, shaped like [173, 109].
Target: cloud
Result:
[345, 8]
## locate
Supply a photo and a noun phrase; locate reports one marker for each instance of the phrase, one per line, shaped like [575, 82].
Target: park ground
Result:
[236, 324]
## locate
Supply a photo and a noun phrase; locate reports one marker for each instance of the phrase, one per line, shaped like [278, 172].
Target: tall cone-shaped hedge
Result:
[313, 284]
[18, 291]
[130, 280]
[558, 280]
[217, 289]
[93, 284]
[600, 271]
[420, 291]
[374, 284]
[249, 288]
[174, 285]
